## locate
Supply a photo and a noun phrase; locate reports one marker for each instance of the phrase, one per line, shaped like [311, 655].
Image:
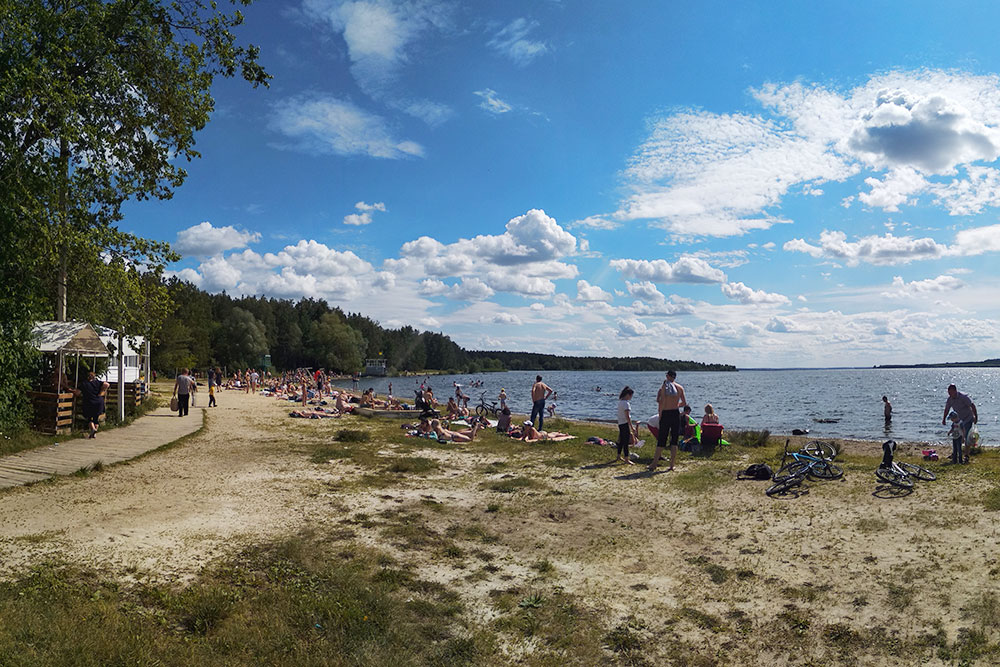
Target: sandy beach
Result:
[683, 567]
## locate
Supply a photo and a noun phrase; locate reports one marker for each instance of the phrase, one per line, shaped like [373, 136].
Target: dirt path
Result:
[169, 512]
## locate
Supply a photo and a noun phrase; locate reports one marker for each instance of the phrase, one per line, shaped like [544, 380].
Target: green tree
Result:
[100, 101]
[241, 340]
[337, 346]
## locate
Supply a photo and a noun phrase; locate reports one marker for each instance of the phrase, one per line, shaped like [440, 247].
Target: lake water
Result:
[776, 400]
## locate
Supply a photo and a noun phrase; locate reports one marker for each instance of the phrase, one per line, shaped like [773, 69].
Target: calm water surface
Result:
[776, 400]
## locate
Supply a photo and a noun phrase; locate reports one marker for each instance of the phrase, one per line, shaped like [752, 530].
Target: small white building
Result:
[135, 358]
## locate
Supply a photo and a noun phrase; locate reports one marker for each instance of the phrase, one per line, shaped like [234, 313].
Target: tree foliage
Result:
[100, 102]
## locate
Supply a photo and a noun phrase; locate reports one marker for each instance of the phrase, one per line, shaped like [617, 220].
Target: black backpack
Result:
[757, 471]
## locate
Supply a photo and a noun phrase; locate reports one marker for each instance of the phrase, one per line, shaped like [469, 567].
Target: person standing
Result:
[503, 398]
[539, 392]
[626, 428]
[670, 399]
[966, 411]
[887, 410]
[92, 392]
[182, 390]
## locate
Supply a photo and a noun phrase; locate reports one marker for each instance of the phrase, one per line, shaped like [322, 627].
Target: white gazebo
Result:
[54, 403]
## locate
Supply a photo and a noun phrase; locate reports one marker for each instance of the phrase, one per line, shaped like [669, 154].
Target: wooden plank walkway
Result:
[155, 429]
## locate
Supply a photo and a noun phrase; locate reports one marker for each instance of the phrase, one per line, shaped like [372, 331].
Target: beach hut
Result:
[53, 402]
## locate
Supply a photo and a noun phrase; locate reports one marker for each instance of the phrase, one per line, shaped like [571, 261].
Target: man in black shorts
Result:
[670, 399]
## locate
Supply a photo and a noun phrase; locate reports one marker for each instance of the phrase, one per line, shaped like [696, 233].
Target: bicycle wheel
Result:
[825, 470]
[481, 410]
[820, 450]
[894, 477]
[921, 473]
[793, 469]
[784, 485]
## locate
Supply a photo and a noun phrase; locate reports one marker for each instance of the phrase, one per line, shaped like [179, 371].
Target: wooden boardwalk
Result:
[155, 429]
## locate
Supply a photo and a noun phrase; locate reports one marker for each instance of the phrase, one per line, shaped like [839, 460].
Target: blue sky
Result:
[762, 184]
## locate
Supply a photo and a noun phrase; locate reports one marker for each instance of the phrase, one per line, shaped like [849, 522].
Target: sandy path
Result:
[169, 512]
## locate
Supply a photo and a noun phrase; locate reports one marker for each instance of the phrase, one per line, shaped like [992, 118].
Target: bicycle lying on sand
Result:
[814, 460]
[900, 475]
[485, 408]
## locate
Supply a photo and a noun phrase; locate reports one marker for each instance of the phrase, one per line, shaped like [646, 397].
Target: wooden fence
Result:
[54, 413]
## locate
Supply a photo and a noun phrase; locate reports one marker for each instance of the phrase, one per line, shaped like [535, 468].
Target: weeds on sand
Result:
[511, 484]
[294, 602]
[748, 438]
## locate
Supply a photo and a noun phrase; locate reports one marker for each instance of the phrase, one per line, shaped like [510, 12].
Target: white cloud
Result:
[364, 215]
[931, 132]
[887, 249]
[596, 222]
[431, 287]
[432, 113]
[895, 189]
[327, 125]
[631, 328]
[706, 174]
[518, 283]
[901, 288]
[587, 292]
[379, 34]
[204, 240]
[471, 289]
[504, 318]
[977, 240]
[512, 41]
[491, 101]
[644, 290]
[687, 269]
[745, 295]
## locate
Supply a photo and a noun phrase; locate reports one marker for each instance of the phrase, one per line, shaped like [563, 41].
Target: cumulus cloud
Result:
[687, 269]
[518, 283]
[596, 222]
[901, 288]
[587, 292]
[204, 240]
[887, 249]
[471, 289]
[895, 189]
[323, 124]
[746, 295]
[431, 287]
[364, 214]
[930, 132]
[490, 101]
[631, 328]
[512, 41]
[977, 240]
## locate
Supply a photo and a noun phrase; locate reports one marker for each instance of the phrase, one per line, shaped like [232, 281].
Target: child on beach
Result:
[957, 435]
[710, 416]
[626, 428]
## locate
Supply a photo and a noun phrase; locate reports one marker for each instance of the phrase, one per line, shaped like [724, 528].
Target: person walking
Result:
[967, 415]
[92, 391]
[670, 399]
[539, 392]
[182, 390]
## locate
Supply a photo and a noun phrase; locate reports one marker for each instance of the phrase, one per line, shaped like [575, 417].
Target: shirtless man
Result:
[670, 399]
[539, 392]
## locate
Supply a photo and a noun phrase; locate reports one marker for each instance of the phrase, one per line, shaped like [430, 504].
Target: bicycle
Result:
[485, 408]
[805, 464]
[900, 475]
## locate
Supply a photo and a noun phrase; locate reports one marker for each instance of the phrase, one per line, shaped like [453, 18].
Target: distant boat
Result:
[375, 367]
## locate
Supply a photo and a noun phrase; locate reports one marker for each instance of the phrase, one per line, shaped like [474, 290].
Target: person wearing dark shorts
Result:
[183, 386]
[625, 428]
[92, 393]
[670, 399]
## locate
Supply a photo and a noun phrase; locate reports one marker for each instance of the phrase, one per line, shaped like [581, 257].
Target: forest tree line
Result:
[220, 330]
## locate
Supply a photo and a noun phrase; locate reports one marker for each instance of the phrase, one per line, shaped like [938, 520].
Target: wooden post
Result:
[121, 378]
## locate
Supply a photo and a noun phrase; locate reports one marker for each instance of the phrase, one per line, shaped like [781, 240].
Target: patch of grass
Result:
[899, 596]
[984, 610]
[412, 464]
[325, 453]
[543, 566]
[352, 435]
[871, 525]
[701, 619]
[626, 641]
[991, 499]
[748, 438]
[293, 602]
[512, 484]
[493, 507]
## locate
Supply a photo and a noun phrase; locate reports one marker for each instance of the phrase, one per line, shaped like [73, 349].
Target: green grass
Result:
[512, 484]
[301, 601]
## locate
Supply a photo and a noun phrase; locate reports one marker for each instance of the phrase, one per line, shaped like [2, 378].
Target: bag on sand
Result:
[759, 471]
[173, 404]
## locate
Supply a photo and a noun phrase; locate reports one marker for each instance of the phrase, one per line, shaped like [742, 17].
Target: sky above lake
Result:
[754, 183]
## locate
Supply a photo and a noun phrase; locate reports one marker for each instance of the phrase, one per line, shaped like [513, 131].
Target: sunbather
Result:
[445, 435]
[530, 434]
